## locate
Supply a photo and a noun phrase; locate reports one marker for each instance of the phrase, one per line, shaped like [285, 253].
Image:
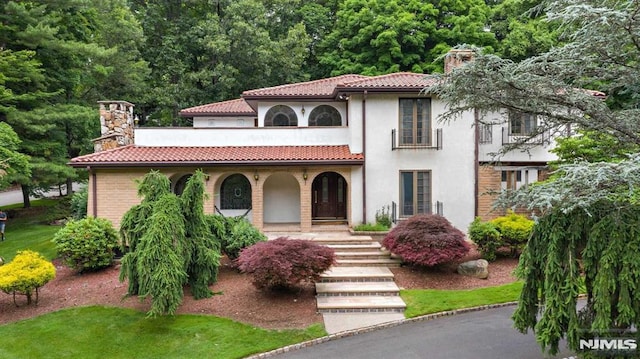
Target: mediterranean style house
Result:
[322, 154]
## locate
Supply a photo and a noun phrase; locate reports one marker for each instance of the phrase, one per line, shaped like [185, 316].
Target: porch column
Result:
[305, 200]
[257, 201]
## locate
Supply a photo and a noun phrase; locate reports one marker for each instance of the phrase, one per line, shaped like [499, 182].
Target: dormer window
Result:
[522, 124]
[325, 115]
[280, 115]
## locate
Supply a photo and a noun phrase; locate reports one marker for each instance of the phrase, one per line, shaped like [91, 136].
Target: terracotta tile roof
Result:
[238, 107]
[390, 82]
[317, 88]
[133, 155]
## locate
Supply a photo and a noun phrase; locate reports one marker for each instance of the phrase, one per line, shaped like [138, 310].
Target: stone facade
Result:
[456, 58]
[116, 125]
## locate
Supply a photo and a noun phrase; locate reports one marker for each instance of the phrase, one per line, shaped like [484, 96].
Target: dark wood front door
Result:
[329, 194]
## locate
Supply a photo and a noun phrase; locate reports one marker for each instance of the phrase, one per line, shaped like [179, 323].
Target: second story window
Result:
[280, 115]
[415, 121]
[522, 124]
[325, 115]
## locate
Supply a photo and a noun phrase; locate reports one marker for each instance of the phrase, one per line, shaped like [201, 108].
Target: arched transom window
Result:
[235, 192]
[325, 115]
[281, 115]
[180, 184]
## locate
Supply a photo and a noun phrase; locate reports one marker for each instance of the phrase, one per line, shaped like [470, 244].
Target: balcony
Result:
[533, 139]
[429, 144]
[395, 216]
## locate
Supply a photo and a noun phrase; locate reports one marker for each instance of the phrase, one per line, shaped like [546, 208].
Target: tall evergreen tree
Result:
[588, 214]
[168, 244]
[69, 62]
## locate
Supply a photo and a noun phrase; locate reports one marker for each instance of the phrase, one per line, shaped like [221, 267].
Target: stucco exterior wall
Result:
[268, 136]
[452, 168]
[207, 121]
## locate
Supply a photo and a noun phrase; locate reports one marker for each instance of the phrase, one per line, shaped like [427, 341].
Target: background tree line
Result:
[57, 58]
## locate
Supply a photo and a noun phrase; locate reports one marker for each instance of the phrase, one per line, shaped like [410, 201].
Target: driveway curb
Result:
[372, 328]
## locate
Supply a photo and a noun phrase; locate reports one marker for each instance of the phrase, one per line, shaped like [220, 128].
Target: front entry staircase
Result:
[359, 290]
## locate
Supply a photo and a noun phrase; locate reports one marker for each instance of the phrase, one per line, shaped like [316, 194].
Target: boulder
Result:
[478, 269]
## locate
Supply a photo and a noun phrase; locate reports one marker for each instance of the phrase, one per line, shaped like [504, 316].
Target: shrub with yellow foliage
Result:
[27, 272]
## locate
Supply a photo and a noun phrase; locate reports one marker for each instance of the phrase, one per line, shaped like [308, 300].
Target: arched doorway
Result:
[329, 197]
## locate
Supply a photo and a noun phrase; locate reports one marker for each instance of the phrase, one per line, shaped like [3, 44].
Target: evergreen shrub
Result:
[486, 237]
[88, 244]
[515, 230]
[79, 203]
[284, 263]
[234, 233]
[25, 274]
[427, 240]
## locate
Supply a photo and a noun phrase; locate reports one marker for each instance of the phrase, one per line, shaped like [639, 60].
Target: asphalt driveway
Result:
[487, 334]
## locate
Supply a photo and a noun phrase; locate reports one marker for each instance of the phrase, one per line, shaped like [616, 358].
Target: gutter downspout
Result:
[476, 165]
[94, 192]
[364, 150]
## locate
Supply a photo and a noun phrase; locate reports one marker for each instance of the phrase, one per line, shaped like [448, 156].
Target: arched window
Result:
[325, 115]
[235, 192]
[280, 115]
[180, 184]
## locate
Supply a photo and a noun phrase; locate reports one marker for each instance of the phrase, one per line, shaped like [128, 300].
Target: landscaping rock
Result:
[478, 269]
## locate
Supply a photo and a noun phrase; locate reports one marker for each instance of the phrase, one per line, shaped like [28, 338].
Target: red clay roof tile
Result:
[238, 107]
[317, 88]
[395, 81]
[133, 155]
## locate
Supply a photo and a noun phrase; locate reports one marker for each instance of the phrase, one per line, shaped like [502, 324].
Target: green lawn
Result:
[427, 301]
[99, 332]
[29, 231]
[103, 332]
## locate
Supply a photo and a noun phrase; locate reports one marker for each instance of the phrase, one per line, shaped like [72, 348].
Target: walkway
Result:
[359, 290]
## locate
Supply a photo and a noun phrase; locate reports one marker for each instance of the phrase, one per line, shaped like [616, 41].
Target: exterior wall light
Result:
[256, 176]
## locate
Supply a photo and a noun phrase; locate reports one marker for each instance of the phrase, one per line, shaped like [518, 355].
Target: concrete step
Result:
[339, 304]
[342, 240]
[357, 289]
[377, 254]
[355, 247]
[357, 274]
[382, 262]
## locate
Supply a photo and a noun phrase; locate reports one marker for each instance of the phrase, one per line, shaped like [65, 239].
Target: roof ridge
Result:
[304, 83]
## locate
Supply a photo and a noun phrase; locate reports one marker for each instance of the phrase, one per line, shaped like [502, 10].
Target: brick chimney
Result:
[116, 125]
[456, 58]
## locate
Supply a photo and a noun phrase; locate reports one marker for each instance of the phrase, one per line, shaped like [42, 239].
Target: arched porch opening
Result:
[281, 199]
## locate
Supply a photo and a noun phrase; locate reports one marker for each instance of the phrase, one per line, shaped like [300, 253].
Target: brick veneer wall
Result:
[117, 190]
[489, 179]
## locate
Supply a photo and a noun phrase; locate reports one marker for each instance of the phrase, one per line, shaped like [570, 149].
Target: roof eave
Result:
[379, 89]
[288, 97]
[217, 114]
[351, 162]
